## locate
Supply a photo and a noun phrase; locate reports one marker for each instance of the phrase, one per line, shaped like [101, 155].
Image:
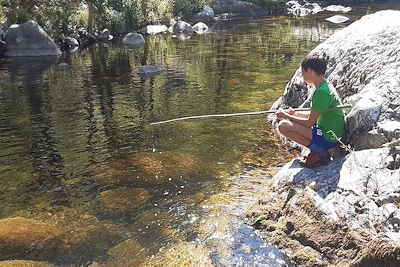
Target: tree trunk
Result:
[90, 22]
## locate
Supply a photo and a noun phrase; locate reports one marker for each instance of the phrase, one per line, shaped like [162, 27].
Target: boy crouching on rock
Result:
[314, 128]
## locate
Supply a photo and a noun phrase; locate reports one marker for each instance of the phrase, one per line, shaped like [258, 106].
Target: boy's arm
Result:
[306, 121]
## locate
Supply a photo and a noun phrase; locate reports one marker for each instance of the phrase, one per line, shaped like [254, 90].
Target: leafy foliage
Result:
[64, 17]
[271, 6]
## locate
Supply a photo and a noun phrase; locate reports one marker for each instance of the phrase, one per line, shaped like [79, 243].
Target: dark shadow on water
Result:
[325, 177]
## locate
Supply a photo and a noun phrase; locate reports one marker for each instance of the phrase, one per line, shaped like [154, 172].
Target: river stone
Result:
[200, 28]
[337, 19]
[360, 71]
[29, 39]
[71, 42]
[21, 237]
[296, 9]
[133, 39]
[182, 27]
[155, 29]
[337, 8]
[105, 35]
[22, 263]
[121, 201]
[149, 71]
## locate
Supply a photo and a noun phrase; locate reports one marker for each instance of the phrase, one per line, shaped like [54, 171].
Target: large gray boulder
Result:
[29, 39]
[364, 67]
[182, 27]
[359, 188]
[134, 40]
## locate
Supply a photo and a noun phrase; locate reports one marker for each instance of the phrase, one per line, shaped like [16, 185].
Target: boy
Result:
[313, 128]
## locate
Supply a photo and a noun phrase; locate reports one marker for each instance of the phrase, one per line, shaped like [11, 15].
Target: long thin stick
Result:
[237, 114]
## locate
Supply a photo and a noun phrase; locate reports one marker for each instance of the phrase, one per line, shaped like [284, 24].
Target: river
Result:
[77, 150]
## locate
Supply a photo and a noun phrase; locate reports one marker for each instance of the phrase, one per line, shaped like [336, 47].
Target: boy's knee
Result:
[283, 126]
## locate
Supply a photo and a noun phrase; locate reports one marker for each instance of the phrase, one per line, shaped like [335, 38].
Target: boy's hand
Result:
[281, 114]
[290, 111]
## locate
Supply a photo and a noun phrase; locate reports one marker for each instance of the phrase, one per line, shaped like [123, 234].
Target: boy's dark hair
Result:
[317, 64]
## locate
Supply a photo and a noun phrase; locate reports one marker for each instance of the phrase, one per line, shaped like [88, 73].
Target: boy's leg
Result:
[295, 132]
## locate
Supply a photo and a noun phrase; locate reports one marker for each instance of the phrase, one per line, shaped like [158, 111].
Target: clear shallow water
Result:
[75, 142]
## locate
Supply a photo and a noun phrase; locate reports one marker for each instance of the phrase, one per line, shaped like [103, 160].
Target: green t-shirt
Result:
[325, 97]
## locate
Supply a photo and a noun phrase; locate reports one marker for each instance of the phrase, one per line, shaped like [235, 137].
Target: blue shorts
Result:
[319, 140]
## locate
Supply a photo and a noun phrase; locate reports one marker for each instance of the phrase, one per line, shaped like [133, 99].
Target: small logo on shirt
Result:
[319, 132]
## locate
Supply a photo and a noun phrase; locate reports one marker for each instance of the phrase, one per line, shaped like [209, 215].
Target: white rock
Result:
[337, 19]
[155, 29]
[337, 8]
[389, 126]
[200, 28]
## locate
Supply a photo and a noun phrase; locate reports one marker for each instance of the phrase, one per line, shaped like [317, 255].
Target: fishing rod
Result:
[240, 114]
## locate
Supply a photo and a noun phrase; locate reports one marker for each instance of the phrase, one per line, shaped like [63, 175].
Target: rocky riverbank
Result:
[346, 213]
[30, 39]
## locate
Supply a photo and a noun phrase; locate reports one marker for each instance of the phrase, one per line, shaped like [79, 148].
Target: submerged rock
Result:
[122, 201]
[183, 254]
[126, 253]
[22, 237]
[149, 71]
[83, 241]
[22, 263]
[149, 169]
[29, 39]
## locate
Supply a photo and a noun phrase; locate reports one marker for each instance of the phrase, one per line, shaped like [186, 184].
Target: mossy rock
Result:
[83, 242]
[159, 221]
[21, 237]
[126, 253]
[120, 201]
[149, 169]
[21, 263]
[183, 254]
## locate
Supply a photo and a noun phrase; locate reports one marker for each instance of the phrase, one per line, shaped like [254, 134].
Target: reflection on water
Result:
[77, 151]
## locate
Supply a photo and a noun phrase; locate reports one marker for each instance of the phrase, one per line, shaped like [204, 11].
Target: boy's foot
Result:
[309, 156]
[314, 160]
